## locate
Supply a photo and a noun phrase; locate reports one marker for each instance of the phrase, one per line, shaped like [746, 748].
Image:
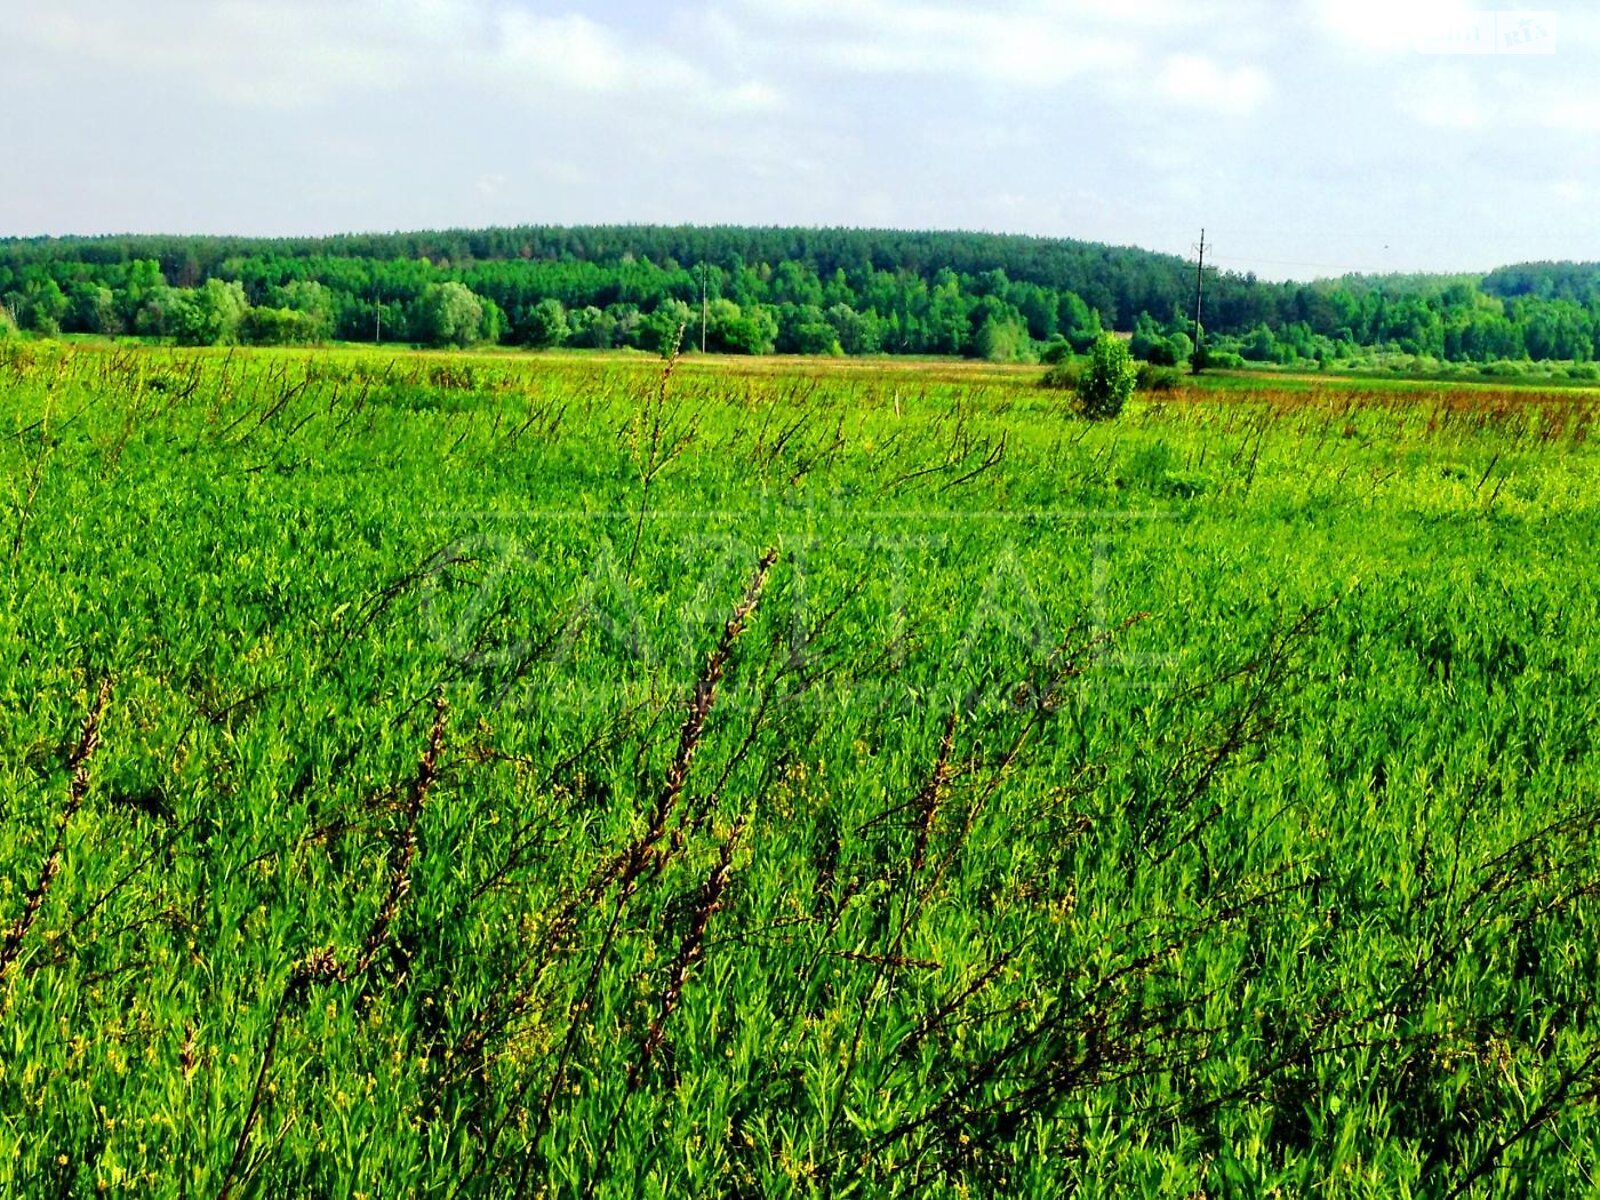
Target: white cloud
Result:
[574, 53]
[1444, 97]
[747, 99]
[296, 53]
[1193, 80]
[1455, 97]
[1027, 43]
[905, 15]
[1388, 26]
[1027, 56]
[282, 56]
[1135, 53]
[1568, 112]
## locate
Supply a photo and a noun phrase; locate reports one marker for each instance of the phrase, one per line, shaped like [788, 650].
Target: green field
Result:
[503, 775]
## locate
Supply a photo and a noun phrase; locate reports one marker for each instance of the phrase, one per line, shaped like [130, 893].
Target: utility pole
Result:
[1199, 292]
[704, 306]
[379, 309]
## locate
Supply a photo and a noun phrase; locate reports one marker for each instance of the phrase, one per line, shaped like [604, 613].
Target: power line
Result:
[704, 308]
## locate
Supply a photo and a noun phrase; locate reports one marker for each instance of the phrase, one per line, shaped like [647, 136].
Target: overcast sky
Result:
[1310, 137]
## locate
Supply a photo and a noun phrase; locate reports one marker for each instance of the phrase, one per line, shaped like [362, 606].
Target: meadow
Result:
[489, 775]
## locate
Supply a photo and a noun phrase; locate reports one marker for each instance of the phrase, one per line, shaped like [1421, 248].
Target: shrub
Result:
[1152, 378]
[1004, 340]
[449, 314]
[1064, 374]
[1057, 349]
[1162, 354]
[278, 327]
[1107, 380]
[545, 325]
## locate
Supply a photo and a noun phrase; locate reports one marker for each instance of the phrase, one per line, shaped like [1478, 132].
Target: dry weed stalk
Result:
[77, 789]
[927, 801]
[664, 443]
[631, 863]
[624, 872]
[36, 470]
[322, 966]
[690, 951]
[400, 873]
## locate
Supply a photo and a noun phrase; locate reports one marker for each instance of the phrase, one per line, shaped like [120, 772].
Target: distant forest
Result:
[773, 290]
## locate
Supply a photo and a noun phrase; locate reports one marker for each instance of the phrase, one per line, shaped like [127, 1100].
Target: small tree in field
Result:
[450, 314]
[547, 324]
[1108, 380]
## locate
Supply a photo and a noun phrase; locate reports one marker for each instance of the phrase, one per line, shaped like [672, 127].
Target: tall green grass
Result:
[472, 776]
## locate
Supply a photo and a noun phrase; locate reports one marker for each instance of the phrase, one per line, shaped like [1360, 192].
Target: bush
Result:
[209, 315]
[1057, 349]
[1162, 354]
[8, 326]
[1152, 378]
[278, 327]
[1004, 341]
[1107, 380]
[449, 314]
[545, 325]
[1064, 374]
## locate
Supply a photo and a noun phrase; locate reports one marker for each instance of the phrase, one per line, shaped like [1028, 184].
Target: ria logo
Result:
[1508, 32]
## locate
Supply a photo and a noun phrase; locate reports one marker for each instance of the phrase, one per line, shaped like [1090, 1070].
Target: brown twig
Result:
[626, 869]
[78, 765]
[323, 966]
[690, 951]
[25, 509]
[400, 872]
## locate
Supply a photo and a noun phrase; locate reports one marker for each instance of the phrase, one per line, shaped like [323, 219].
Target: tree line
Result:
[766, 290]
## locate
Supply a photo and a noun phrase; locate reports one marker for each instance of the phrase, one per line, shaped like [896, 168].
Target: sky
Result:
[1308, 137]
